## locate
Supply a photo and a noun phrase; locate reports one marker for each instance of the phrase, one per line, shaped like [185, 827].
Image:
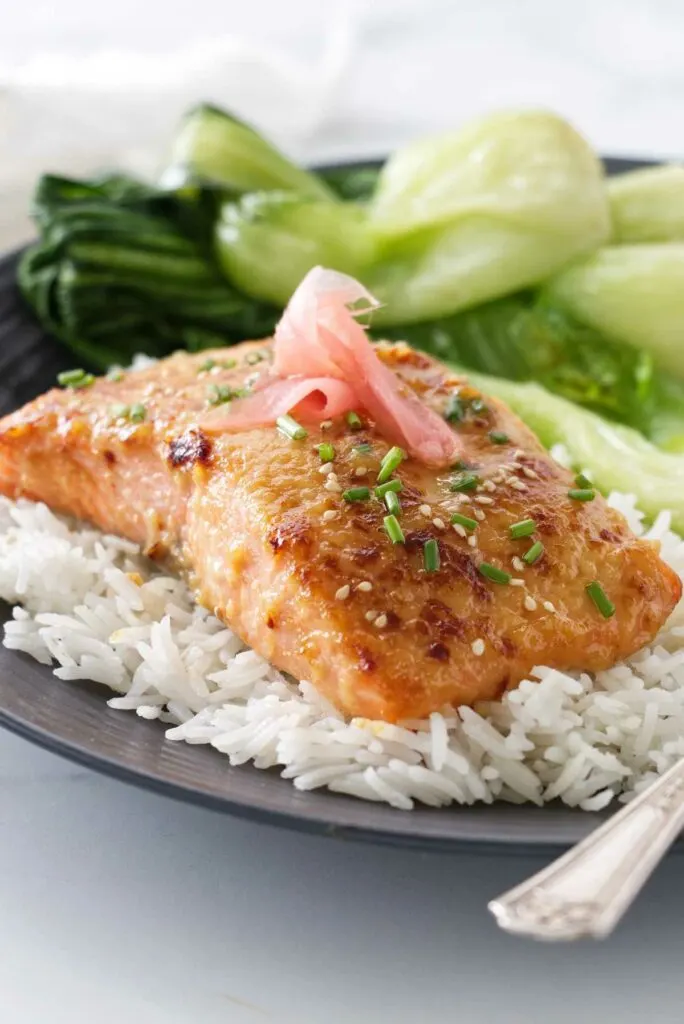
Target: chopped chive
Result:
[459, 465]
[464, 521]
[493, 573]
[391, 485]
[392, 502]
[288, 426]
[219, 394]
[207, 365]
[498, 437]
[120, 411]
[534, 553]
[75, 379]
[364, 449]
[525, 528]
[137, 412]
[455, 409]
[395, 456]
[115, 374]
[357, 494]
[477, 405]
[431, 555]
[326, 452]
[394, 530]
[354, 420]
[582, 494]
[583, 481]
[600, 599]
[464, 482]
[253, 358]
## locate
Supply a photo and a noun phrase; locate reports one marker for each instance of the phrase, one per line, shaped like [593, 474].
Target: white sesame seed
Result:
[479, 514]
[425, 510]
[326, 468]
[465, 499]
[498, 478]
[381, 621]
[332, 483]
[518, 485]
[478, 647]
[343, 593]
[518, 453]
[472, 540]
[489, 485]
[479, 488]
[439, 523]
[531, 474]
[530, 603]
[330, 513]
[484, 499]
[371, 615]
[460, 530]
[360, 471]
[548, 606]
[365, 586]
[518, 564]
[326, 424]
[515, 581]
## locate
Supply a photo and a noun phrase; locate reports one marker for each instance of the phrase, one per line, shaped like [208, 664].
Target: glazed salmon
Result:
[268, 540]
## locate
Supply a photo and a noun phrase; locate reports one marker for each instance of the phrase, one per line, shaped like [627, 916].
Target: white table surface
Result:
[120, 906]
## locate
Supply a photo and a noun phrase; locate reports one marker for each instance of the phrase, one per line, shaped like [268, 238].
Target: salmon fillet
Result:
[312, 581]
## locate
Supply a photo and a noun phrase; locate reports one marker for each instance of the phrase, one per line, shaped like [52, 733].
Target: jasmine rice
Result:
[93, 607]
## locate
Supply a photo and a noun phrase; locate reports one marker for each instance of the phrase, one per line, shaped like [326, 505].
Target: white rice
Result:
[582, 739]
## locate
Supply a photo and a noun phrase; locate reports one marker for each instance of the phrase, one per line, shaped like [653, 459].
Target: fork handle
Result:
[586, 891]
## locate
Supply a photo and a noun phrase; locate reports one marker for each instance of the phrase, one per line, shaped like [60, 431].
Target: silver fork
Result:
[585, 892]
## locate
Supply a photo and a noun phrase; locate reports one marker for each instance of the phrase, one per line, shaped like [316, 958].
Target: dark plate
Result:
[73, 720]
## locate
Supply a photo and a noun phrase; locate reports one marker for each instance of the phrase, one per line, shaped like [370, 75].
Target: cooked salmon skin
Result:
[262, 529]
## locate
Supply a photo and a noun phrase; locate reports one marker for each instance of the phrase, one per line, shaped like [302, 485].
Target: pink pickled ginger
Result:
[324, 365]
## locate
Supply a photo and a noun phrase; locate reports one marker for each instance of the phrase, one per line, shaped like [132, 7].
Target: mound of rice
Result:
[92, 605]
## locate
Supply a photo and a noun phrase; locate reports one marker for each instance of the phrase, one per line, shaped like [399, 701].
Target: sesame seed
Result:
[518, 564]
[460, 530]
[484, 499]
[381, 621]
[489, 485]
[515, 581]
[479, 514]
[465, 499]
[326, 424]
[343, 593]
[365, 586]
[332, 483]
[531, 474]
[478, 647]
[518, 453]
[325, 468]
[530, 603]
[548, 606]
[439, 523]
[472, 541]
[425, 510]
[360, 471]
[518, 485]
[330, 513]
[370, 616]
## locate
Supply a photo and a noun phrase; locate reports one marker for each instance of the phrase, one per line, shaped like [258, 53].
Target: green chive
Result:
[391, 485]
[137, 412]
[459, 465]
[583, 481]
[290, 428]
[354, 420]
[395, 456]
[464, 482]
[534, 553]
[357, 494]
[392, 502]
[394, 530]
[115, 374]
[477, 405]
[525, 528]
[75, 379]
[119, 411]
[582, 494]
[219, 394]
[431, 555]
[228, 364]
[364, 449]
[253, 358]
[326, 452]
[467, 524]
[493, 573]
[498, 437]
[207, 365]
[600, 599]
[455, 410]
